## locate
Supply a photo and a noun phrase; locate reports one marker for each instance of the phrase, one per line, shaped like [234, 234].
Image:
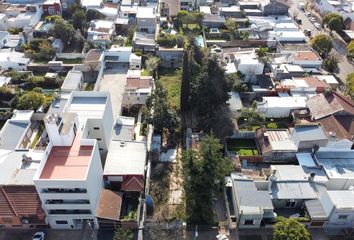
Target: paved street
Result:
[113, 81]
[339, 48]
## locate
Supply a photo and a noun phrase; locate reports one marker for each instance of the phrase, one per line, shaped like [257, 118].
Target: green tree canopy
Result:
[63, 30]
[350, 85]
[79, 19]
[30, 101]
[167, 40]
[93, 14]
[334, 21]
[330, 64]
[322, 43]
[290, 229]
[151, 64]
[350, 49]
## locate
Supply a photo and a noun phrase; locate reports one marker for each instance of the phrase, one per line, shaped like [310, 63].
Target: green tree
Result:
[350, 49]
[167, 40]
[334, 21]
[159, 113]
[322, 43]
[93, 14]
[290, 229]
[330, 64]
[63, 30]
[53, 18]
[151, 64]
[231, 25]
[30, 101]
[121, 233]
[204, 173]
[350, 85]
[79, 19]
[6, 93]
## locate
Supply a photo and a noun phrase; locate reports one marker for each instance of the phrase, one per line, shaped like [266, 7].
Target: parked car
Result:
[308, 14]
[299, 21]
[38, 236]
[312, 19]
[308, 32]
[317, 25]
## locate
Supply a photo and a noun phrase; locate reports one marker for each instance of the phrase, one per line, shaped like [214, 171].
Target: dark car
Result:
[308, 32]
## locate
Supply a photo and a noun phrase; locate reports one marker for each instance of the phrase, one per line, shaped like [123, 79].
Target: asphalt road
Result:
[339, 50]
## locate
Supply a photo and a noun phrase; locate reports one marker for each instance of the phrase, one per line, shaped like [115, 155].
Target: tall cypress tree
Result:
[185, 87]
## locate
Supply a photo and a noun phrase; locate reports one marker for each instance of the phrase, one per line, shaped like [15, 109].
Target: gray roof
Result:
[296, 190]
[124, 129]
[11, 134]
[308, 133]
[249, 197]
[72, 81]
[315, 210]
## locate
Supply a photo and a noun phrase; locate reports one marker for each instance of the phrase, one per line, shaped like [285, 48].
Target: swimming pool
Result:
[199, 41]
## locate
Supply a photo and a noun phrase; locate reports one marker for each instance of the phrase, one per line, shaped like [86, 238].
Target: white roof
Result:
[280, 140]
[285, 102]
[230, 68]
[235, 101]
[4, 80]
[87, 106]
[204, 9]
[330, 79]
[342, 199]
[108, 11]
[294, 83]
[305, 159]
[91, 3]
[6, 55]
[125, 158]
[232, 8]
[146, 12]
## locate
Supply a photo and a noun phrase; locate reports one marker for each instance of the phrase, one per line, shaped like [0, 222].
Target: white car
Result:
[38, 236]
[312, 19]
[221, 237]
[317, 25]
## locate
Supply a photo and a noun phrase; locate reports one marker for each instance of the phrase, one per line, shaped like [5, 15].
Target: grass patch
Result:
[248, 152]
[170, 80]
[39, 134]
[244, 147]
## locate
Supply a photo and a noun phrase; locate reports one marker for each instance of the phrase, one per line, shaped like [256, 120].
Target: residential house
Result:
[41, 29]
[306, 59]
[92, 4]
[307, 137]
[280, 106]
[329, 79]
[213, 20]
[235, 103]
[4, 36]
[94, 60]
[69, 179]
[137, 90]
[290, 186]
[170, 8]
[302, 85]
[19, 16]
[275, 7]
[128, 9]
[232, 11]
[252, 208]
[334, 210]
[15, 42]
[187, 5]
[282, 70]
[52, 7]
[146, 20]
[170, 57]
[246, 62]
[145, 42]
[72, 82]
[101, 32]
[276, 145]
[335, 112]
[20, 205]
[11, 60]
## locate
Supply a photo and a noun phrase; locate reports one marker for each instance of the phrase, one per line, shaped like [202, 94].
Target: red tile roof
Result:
[133, 184]
[342, 126]
[109, 205]
[134, 82]
[306, 56]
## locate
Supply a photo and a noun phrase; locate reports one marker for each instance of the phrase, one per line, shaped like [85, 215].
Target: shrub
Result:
[167, 40]
[272, 125]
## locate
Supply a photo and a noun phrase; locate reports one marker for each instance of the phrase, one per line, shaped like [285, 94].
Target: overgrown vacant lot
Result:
[170, 79]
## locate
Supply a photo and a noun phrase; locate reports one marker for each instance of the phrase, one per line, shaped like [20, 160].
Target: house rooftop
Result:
[125, 158]
[109, 205]
[341, 126]
[65, 163]
[94, 55]
[308, 133]
[306, 56]
[72, 80]
[124, 129]
[342, 199]
[146, 12]
[138, 83]
[249, 198]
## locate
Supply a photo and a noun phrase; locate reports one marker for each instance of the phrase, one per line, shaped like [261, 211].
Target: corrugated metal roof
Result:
[11, 134]
[315, 210]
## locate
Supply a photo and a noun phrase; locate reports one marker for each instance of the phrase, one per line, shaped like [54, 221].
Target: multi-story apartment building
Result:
[146, 20]
[69, 180]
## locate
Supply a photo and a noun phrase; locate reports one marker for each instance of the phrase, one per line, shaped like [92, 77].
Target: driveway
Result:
[113, 81]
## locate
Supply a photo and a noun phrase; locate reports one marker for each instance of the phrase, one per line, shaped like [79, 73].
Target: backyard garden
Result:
[242, 146]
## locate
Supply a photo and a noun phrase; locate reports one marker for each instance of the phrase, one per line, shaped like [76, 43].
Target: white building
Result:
[72, 82]
[280, 107]
[248, 63]
[11, 60]
[69, 179]
[101, 32]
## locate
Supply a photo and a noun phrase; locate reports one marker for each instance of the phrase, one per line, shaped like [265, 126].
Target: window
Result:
[101, 149]
[342, 217]
[61, 222]
[290, 204]
[99, 139]
[248, 222]
[96, 128]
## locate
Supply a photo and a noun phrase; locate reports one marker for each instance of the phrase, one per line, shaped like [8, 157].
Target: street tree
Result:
[290, 229]
[322, 43]
[334, 21]
[330, 64]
